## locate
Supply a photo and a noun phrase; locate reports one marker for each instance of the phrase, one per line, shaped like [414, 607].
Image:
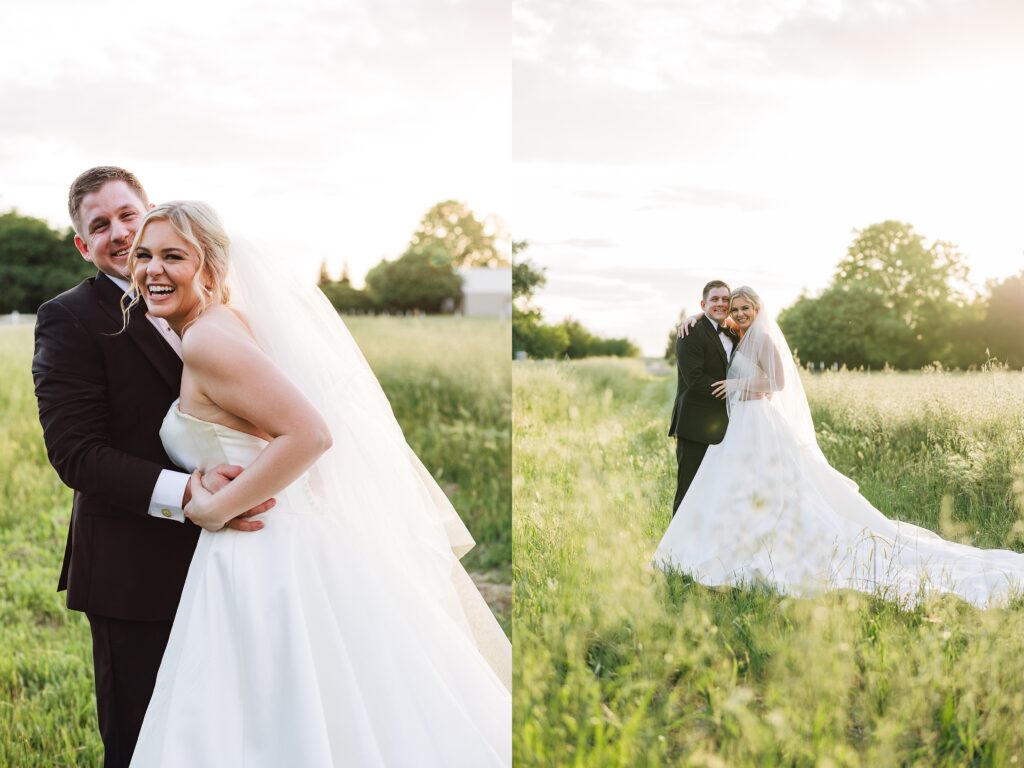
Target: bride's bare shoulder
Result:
[219, 328]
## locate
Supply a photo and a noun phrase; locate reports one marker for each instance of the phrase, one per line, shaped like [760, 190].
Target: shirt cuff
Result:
[167, 495]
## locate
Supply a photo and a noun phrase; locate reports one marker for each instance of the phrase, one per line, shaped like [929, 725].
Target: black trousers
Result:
[689, 455]
[126, 656]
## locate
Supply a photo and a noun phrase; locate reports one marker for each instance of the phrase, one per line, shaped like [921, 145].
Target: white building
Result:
[486, 291]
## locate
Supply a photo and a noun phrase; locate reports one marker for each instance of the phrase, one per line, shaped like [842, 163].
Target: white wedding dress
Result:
[346, 632]
[291, 647]
[766, 506]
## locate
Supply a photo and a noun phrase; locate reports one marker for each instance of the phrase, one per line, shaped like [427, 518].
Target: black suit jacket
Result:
[697, 415]
[102, 397]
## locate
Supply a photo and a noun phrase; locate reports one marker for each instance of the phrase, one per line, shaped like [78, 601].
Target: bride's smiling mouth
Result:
[158, 292]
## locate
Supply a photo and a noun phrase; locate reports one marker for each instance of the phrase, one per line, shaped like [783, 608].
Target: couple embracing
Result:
[271, 576]
[756, 499]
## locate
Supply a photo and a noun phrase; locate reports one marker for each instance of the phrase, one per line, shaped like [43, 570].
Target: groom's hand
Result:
[217, 478]
[721, 389]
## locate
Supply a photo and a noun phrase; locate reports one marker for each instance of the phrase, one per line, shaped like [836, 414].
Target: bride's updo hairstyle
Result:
[748, 293]
[198, 225]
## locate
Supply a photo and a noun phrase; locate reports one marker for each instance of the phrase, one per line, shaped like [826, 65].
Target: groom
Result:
[102, 397]
[699, 418]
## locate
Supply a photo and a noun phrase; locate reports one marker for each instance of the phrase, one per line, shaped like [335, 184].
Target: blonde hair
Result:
[198, 225]
[746, 292]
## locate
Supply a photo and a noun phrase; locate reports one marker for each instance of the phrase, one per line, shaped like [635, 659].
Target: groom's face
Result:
[110, 217]
[716, 305]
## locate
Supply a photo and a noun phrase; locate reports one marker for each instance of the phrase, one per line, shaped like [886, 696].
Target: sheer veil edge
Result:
[371, 479]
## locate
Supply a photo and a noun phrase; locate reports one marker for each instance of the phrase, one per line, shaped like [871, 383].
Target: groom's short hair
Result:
[712, 285]
[93, 179]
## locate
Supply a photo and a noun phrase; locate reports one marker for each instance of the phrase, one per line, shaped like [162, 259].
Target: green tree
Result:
[615, 348]
[892, 260]
[849, 325]
[324, 278]
[538, 340]
[969, 334]
[527, 277]
[531, 335]
[420, 279]
[345, 297]
[348, 299]
[581, 341]
[36, 262]
[451, 231]
[919, 284]
[1003, 325]
[894, 299]
[673, 334]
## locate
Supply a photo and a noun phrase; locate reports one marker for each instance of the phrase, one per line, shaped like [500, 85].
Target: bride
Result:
[766, 505]
[345, 632]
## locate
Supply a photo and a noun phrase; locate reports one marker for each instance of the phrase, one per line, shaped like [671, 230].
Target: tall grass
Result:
[619, 665]
[448, 380]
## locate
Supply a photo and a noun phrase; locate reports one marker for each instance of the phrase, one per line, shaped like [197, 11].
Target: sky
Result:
[658, 144]
[321, 130]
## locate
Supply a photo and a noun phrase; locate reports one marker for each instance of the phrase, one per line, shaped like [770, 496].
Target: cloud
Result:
[745, 140]
[895, 40]
[303, 83]
[616, 287]
[331, 127]
[575, 242]
[676, 196]
[650, 82]
[557, 117]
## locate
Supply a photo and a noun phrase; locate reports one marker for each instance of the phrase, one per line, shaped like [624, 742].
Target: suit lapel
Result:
[717, 341]
[140, 331]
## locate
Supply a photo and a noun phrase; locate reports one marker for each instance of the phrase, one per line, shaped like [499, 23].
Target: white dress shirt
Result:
[724, 338]
[170, 485]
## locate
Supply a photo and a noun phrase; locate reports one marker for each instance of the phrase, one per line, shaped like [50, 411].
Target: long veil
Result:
[764, 367]
[387, 501]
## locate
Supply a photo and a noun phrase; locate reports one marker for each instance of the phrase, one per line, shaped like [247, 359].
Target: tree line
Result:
[37, 262]
[895, 300]
[424, 277]
[532, 337]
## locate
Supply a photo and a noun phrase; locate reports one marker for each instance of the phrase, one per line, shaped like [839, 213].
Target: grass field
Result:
[449, 383]
[618, 665]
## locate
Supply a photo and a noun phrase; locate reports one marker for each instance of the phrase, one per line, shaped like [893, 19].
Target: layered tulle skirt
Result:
[290, 648]
[765, 507]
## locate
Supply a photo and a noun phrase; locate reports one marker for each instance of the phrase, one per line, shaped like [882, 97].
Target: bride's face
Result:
[743, 312]
[165, 267]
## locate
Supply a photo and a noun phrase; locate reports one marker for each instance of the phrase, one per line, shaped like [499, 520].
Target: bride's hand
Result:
[199, 508]
[688, 323]
[217, 479]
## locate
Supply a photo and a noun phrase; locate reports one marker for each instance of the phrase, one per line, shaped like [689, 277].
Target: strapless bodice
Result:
[742, 367]
[193, 443]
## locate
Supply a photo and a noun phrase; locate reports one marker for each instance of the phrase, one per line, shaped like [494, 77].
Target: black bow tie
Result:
[723, 329]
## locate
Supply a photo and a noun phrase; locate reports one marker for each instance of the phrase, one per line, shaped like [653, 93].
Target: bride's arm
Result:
[772, 380]
[232, 371]
[770, 361]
